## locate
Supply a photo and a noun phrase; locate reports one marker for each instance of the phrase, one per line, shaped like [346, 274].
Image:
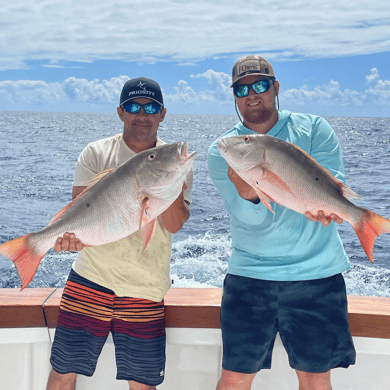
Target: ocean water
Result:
[38, 153]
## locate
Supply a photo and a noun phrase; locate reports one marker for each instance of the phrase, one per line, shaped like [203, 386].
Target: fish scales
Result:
[116, 204]
[310, 185]
[283, 173]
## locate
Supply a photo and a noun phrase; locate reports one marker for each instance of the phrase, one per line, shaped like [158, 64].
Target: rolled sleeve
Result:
[86, 167]
[326, 150]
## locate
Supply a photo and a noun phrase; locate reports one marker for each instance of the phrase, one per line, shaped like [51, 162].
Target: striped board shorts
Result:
[88, 312]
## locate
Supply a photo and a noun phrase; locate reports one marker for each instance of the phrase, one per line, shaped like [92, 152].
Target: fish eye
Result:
[151, 156]
[247, 138]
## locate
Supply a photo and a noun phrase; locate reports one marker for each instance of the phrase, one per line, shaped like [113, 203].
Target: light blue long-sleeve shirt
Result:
[284, 245]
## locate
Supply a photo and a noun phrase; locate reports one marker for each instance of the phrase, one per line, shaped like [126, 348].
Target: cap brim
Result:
[255, 73]
[138, 97]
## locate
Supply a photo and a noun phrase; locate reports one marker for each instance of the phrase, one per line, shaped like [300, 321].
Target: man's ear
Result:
[277, 86]
[163, 113]
[120, 112]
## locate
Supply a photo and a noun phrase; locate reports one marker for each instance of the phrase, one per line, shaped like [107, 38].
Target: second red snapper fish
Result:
[285, 174]
[115, 204]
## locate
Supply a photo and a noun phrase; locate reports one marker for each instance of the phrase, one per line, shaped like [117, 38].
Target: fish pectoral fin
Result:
[276, 181]
[148, 231]
[144, 213]
[264, 199]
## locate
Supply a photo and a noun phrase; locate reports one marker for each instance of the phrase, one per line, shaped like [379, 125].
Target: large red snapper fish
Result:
[115, 204]
[283, 173]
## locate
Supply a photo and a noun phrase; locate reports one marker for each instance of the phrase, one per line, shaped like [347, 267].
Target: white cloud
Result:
[377, 93]
[216, 93]
[72, 89]
[188, 31]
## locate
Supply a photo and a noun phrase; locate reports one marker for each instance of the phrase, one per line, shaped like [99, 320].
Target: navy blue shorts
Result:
[311, 317]
[88, 312]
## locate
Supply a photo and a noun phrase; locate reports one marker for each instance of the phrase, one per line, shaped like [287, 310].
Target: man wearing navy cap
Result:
[118, 287]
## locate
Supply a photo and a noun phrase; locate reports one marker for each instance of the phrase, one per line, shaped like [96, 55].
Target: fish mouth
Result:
[183, 152]
[222, 147]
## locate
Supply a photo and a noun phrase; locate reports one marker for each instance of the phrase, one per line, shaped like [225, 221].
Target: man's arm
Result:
[177, 214]
[245, 190]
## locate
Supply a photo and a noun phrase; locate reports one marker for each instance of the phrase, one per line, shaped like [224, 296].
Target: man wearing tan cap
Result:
[285, 270]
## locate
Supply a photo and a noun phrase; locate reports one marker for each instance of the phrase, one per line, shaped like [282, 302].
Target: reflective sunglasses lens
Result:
[241, 90]
[133, 108]
[151, 109]
[261, 86]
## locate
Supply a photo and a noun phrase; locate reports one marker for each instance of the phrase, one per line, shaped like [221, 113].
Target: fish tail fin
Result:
[23, 255]
[370, 226]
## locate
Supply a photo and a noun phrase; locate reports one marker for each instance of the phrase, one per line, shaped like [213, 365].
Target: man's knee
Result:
[139, 386]
[235, 380]
[314, 381]
[61, 381]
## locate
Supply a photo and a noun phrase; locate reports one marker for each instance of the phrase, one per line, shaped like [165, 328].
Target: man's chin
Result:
[258, 116]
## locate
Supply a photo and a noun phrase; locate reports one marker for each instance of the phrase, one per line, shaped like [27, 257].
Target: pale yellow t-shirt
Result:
[121, 265]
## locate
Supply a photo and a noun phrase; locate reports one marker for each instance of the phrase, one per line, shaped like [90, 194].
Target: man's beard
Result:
[261, 115]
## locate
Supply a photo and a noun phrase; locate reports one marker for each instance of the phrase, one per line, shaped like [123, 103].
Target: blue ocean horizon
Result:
[38, 153]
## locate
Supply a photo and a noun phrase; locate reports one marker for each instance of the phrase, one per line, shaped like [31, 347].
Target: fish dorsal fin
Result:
[345, 191]
[348, 192]
[91, 182]
[63, 211]
[99, 176]
[144, 213]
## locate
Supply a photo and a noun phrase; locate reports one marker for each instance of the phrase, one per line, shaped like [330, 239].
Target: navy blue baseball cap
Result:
[141, 87]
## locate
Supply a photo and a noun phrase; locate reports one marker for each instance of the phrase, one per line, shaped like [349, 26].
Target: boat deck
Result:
[28, 319]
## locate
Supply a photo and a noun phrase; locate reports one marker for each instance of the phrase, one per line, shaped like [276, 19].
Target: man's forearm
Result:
[176, 215]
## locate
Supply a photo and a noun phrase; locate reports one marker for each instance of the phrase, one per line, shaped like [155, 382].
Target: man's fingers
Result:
[72, 242]
[323, 219]
[58, 245]
[68, 242]
[335, 218]
[65, 242]
[79, 245]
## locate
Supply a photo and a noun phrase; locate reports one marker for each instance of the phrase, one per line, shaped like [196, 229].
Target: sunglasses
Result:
[260, 86]
[149, 108]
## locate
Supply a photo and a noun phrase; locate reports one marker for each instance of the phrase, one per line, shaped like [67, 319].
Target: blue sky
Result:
[331, 58]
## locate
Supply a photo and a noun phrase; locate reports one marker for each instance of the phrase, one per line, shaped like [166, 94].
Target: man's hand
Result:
[325, 220]
[68, 242]
[243, 188]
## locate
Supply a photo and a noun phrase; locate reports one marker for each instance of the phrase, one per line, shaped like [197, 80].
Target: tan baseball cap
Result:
[251, 65]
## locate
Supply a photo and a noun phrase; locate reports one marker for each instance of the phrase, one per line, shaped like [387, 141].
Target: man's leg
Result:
[249, 327]
[314, 381]
[138, 332]
[139, 386]
[61, 381]
[235, 381]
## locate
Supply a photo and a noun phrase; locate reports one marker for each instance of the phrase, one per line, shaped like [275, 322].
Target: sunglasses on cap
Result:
[135, 108]
[260, 86]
